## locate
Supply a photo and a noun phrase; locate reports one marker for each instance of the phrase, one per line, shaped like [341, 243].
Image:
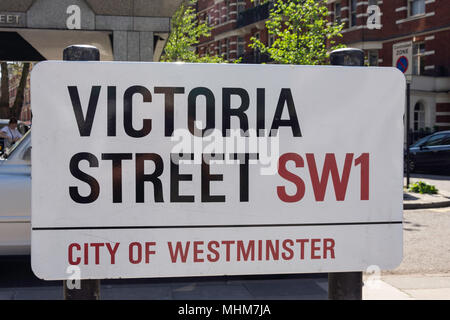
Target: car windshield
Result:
[9, 151]
[420, 142]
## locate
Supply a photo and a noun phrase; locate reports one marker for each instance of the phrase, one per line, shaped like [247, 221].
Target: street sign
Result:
[402, 57]
[167, 170]
[403, 64]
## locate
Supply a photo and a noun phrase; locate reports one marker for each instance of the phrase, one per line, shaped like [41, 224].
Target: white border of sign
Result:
[321, 230]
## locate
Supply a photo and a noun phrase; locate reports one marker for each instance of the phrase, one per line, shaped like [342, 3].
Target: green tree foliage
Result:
[301, 32]
[185, 33]
[422, 187]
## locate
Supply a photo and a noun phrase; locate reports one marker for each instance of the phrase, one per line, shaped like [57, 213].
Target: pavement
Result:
[424, 273]
[291, 287]
[17, 282]
[407, 287]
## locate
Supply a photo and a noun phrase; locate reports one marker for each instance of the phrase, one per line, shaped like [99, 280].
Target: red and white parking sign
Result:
[402, 54]
[161, 170]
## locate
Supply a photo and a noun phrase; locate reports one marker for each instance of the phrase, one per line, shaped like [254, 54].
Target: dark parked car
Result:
[431, 153]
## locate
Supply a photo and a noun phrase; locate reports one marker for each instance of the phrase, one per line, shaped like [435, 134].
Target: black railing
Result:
[253, 15]
[255, 57]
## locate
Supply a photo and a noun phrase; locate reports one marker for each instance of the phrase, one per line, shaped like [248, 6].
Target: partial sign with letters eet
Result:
[12, 19]
[167, 170]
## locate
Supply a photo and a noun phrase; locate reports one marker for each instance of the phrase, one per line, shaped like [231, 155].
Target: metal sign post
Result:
[346, 285]
[408, 127]
[88, 289]
[402, 57]
[402, 54]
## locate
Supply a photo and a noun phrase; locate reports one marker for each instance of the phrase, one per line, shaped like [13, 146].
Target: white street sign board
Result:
[120, 188]
[402, 57]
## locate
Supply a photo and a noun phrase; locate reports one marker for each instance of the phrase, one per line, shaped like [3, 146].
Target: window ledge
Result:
[415, 17]
[353, 28]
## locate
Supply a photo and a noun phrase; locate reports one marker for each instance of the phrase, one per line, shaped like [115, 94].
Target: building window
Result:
[225, 53]
[219, 49]
[257, 51]
[337, 12]
[418, 58]
[352, 13]
[224, 13]
[372, 57]
[240, 46]
[419, 116]
[209, 20]
[416, 7]
[271, 39]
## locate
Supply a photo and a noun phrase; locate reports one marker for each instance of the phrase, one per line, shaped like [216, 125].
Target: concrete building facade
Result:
[425, 24]
[123, 30]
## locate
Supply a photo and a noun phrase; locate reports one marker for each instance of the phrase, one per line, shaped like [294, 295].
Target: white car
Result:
[15, 198]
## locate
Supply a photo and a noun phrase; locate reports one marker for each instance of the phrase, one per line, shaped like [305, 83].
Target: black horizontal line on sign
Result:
[218, 226]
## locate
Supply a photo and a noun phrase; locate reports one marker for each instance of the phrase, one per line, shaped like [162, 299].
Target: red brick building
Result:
[425, 23]
[234, 22]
